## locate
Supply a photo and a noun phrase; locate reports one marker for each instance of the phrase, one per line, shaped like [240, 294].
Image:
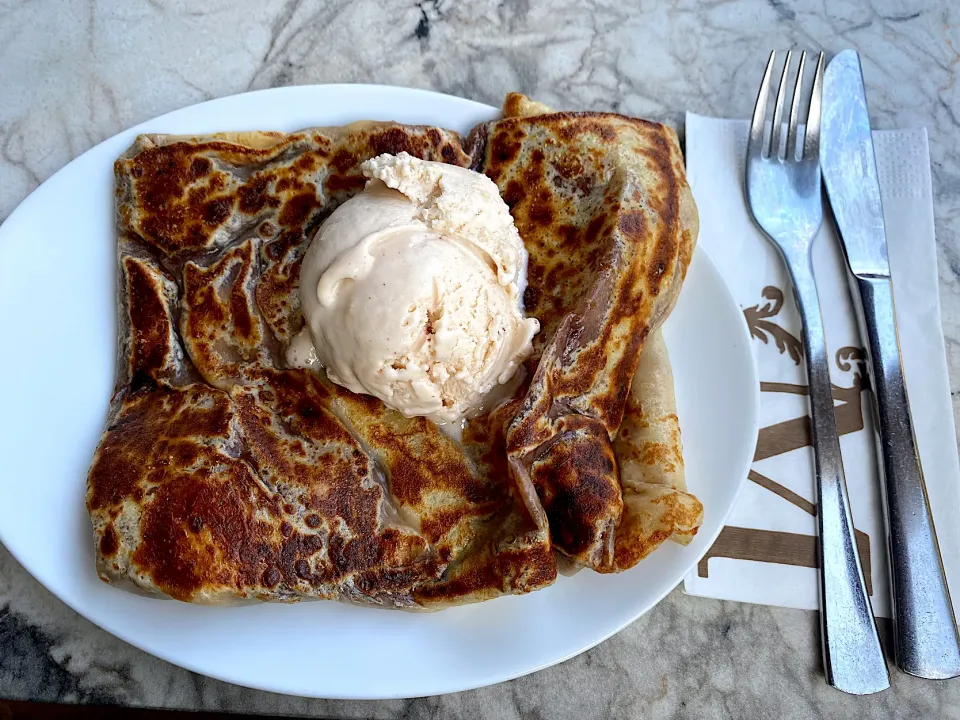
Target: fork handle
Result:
[925, 630]
[852, 657]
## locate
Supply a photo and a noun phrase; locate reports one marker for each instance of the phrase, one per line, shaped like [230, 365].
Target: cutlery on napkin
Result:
[767, 551]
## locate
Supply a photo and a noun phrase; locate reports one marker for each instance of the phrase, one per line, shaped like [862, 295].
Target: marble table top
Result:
[75, 72]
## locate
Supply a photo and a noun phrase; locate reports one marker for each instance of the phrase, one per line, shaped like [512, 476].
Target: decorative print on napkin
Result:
[767, 552]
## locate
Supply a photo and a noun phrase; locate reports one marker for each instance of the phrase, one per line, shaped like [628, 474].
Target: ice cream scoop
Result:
[411, 291]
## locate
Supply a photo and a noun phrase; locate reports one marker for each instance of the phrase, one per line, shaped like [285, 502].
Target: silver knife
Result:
[926, 640]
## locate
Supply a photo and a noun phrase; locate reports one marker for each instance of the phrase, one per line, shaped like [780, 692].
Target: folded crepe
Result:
[223, 475]
[649, 453]
[607, 259]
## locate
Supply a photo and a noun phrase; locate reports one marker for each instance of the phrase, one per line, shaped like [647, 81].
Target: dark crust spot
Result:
[199, 167]
[344, 160]
[579, 488]
[505, 148]
[109, 542]
[297, 209]
[394, 141]
[253, 195]
[336, 183]
[448, 154]
[272, 577]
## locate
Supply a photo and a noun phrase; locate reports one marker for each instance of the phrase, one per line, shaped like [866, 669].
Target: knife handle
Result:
[926, 641]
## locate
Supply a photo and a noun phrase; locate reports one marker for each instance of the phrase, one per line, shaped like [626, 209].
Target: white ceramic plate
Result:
[57, 321]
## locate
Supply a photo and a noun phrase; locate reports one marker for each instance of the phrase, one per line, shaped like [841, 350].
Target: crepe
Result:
[649, 454]
[225, 476]
[610, 230]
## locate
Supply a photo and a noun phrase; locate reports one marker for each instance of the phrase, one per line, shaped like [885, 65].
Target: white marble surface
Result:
[74, 72]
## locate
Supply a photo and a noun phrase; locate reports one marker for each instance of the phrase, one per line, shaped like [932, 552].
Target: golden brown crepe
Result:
[647, 447]
[610, 229]
[223, 475]
[649, 453]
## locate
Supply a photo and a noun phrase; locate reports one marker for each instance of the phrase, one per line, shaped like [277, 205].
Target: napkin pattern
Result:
[767, 551]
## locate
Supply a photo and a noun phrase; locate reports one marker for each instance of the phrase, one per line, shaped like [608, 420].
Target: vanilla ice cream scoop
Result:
[411, 290]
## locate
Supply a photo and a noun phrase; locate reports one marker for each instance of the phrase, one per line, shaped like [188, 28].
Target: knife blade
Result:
[849, 168]
[926, 639]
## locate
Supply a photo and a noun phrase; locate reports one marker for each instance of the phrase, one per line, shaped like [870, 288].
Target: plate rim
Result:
[700, 255]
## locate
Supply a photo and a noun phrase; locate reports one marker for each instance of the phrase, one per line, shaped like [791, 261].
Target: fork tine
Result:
[795, 110]
[811, 139]
[778, 108]
[755, 146]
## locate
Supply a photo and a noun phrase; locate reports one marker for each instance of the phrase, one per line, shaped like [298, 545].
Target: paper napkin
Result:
[766, 553]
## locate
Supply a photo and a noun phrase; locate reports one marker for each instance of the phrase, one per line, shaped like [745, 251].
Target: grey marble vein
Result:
[75, 72]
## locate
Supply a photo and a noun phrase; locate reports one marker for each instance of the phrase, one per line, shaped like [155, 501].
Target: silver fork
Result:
[783, 190]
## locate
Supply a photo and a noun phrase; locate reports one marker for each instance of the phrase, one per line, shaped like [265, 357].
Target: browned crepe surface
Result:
[610, 229]
[223, 476]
